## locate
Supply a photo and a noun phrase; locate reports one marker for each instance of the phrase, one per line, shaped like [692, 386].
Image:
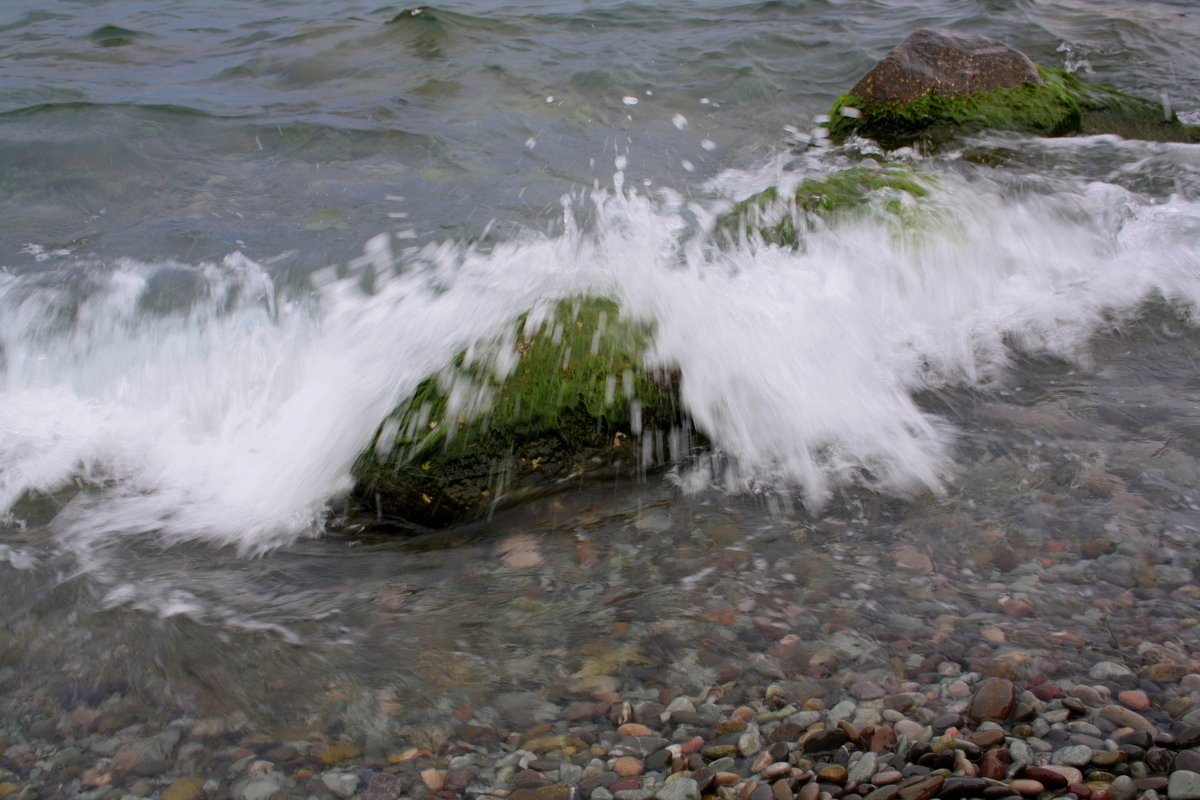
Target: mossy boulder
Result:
[559, 398]
[936, 86]
[783, 218]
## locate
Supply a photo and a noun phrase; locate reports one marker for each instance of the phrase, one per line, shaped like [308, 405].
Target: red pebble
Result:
[1047, 777]
[1047, 691]
[1079, 790]
[692, 745]
[628, 783]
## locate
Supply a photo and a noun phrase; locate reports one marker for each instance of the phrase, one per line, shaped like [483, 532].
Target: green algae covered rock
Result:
[784, 218]
[938, 85]
[551, 402]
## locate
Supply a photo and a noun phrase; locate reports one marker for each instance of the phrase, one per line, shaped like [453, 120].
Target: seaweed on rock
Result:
[784, 218]
[1062, 105]
[556, 399]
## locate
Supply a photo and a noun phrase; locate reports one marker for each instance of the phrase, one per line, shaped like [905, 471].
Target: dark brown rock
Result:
[884, 793]
[923, 789]
[994, 700]
[994, 764]
[1047, 777]
[825, 740]
[944, 63]
[987, 738]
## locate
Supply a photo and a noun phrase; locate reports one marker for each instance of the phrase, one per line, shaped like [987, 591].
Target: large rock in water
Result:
[939, 85]
[945, 63]
[557, 399]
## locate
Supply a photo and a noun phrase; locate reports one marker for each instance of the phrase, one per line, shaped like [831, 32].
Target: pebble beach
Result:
[797, 662]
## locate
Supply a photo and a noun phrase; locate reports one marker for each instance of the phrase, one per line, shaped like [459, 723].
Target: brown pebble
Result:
[993, 700]
[887, 777]
[1016, 608]
[777, 770]
[883, 793]
[986, 738]
[628, 766]
[434, 779]
[742, 714]
[726, 778]
[1027, 786]
[188, 788]
[809, 791]
[633, 729]
[1135, 699]
[882, 740]
[1126, 717]
[834, 773]
[923, 789]
[993, 765]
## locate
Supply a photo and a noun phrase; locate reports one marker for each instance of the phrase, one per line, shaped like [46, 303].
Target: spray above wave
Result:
[235, 417]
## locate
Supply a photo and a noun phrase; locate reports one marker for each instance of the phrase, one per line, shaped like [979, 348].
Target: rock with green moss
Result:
[937, 85]
[784, 218]
[558, 399]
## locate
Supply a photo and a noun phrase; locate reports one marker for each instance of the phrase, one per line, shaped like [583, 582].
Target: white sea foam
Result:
[236, 419]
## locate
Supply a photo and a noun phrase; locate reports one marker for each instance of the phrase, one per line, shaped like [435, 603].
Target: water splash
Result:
[234, 417]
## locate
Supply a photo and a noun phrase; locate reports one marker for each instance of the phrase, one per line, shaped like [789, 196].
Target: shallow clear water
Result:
[233, 235]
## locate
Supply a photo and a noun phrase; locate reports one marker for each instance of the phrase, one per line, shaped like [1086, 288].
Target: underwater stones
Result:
[549, 403]
[937, 85]
[945, 63]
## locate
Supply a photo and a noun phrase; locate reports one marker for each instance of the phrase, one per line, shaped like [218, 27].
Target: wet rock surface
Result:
[941, 62]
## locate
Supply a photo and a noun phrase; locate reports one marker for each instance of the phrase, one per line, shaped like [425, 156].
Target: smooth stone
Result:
[1077, 755]
[994, 699]
[261, 787]
[889, 792]
[992, 765]
[1027, 786]
[986, 738]
[959, 787]
[1126, 718]
[1051, 779]
[679, 789]
[867, 690]
[834, 773]
[1107, 758]
[1188, 760]
[1189, 737]
[820, 741]
[343, 784]
[1135, 699]
[923, 789]
[1122, 788]
[862, 770]
[1109, 671]
[188, 788]
[628, 766]
[1071, 774]
[1183, 785]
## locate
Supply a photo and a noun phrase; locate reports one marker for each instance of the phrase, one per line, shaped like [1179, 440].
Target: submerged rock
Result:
[937, 85]
[556, 400]
[784, 217]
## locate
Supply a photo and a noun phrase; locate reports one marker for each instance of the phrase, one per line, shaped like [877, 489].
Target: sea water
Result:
[235, 235]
